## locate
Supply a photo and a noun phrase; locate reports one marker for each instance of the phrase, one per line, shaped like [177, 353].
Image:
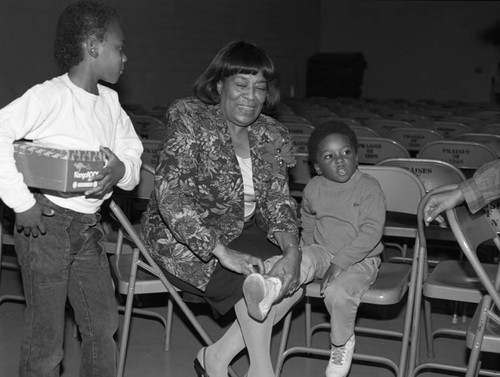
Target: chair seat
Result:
[399, 224]
[145, 283]
[456, 280]
[389, 287]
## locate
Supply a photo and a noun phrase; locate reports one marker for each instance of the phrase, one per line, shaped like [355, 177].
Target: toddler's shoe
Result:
[260, 293]
[341, 359]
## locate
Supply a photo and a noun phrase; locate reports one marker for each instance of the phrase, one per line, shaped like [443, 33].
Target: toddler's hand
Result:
[331, 273]
[109, 176]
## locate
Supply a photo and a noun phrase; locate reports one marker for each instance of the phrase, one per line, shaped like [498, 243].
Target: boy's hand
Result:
[31, 221]
[330, 275]
[109, 177]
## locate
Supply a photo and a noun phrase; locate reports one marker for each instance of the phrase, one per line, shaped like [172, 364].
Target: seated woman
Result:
[221, 206]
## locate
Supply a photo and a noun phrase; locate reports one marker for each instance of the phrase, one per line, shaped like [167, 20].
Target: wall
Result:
[416, 49]
[168, 42]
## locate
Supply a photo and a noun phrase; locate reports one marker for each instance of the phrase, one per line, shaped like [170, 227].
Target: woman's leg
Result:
[249, 333]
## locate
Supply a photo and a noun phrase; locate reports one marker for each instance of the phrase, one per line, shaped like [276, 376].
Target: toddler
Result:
[343, 215]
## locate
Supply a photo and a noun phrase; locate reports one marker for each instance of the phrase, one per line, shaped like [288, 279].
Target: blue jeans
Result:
[67, 262]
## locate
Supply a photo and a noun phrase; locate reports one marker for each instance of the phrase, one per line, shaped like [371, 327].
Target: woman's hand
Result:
[441, 202]
[287, 269]
[236, 261]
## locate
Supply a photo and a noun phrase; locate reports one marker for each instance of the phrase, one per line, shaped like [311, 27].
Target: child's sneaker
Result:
[260, 293]
[340, 359]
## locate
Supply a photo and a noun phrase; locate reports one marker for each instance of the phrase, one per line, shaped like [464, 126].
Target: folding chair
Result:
[483, 334]
[300, 174]
[384, 126]
[300, 141]
[138, 273]
[432, 174]
[491, 128]
[299, 128]
[145, 125]
[414, 138]
[490, 140]
[371, 150]
[7, 238]
[451, 280]
[449, 130]
[465, 155]
[403, 192]
[472, 122]
[416, 120]
[364, 131]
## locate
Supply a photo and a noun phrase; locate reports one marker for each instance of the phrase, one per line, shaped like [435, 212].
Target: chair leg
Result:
[284, 339]
[128, 315]
[474, 358]
[168, 327]
[429, 339]
[308, 325]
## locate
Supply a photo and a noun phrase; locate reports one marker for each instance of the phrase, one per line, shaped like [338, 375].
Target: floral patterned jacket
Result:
[198, 196]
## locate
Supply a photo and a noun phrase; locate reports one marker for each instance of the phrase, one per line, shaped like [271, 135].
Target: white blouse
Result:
[248, 189]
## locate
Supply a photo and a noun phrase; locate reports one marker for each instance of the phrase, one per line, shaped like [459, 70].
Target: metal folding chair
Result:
[403, 192]
[371, 150]
[7, 238]
[451, 280]
[138, 273]
[483, 334]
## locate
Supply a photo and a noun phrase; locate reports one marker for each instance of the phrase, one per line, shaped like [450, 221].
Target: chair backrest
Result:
[300, 141]
[372, 150]
[301, 173]
[384, 126]
[432, 173]
[414, 138]
[491, 128]
[364, 131]
[490, 140]
[299, 128]
[472, 230]
[472, 122]
[145, 124]
[415, 120]
[402, 189]
[462, 154]
[449, 130]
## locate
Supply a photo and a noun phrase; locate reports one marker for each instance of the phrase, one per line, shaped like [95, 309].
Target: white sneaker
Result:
[341, 359]
[260, 293]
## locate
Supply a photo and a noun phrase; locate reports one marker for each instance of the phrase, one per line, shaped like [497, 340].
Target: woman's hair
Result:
[238, 57]
[76, 24]
[329, 128]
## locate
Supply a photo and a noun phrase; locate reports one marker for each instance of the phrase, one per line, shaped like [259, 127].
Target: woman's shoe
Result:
[198, 368]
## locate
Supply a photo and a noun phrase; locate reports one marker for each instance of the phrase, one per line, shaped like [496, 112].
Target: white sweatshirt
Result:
[59, 113]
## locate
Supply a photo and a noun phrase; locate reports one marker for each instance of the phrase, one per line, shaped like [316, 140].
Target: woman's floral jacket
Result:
[198, 196]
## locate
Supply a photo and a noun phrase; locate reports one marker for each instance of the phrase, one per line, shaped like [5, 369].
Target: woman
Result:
[221, 205]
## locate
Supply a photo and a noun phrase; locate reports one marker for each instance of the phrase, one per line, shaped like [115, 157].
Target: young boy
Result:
[58, 235]
[343, 215]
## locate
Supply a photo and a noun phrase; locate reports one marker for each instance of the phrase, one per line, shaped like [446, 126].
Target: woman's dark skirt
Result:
[224, 289]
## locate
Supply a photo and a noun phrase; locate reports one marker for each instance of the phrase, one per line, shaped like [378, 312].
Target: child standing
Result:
[343, 215]
[58, 235]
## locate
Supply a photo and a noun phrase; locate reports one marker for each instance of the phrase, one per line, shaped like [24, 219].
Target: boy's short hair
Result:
[329, 128]
[76, 24]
